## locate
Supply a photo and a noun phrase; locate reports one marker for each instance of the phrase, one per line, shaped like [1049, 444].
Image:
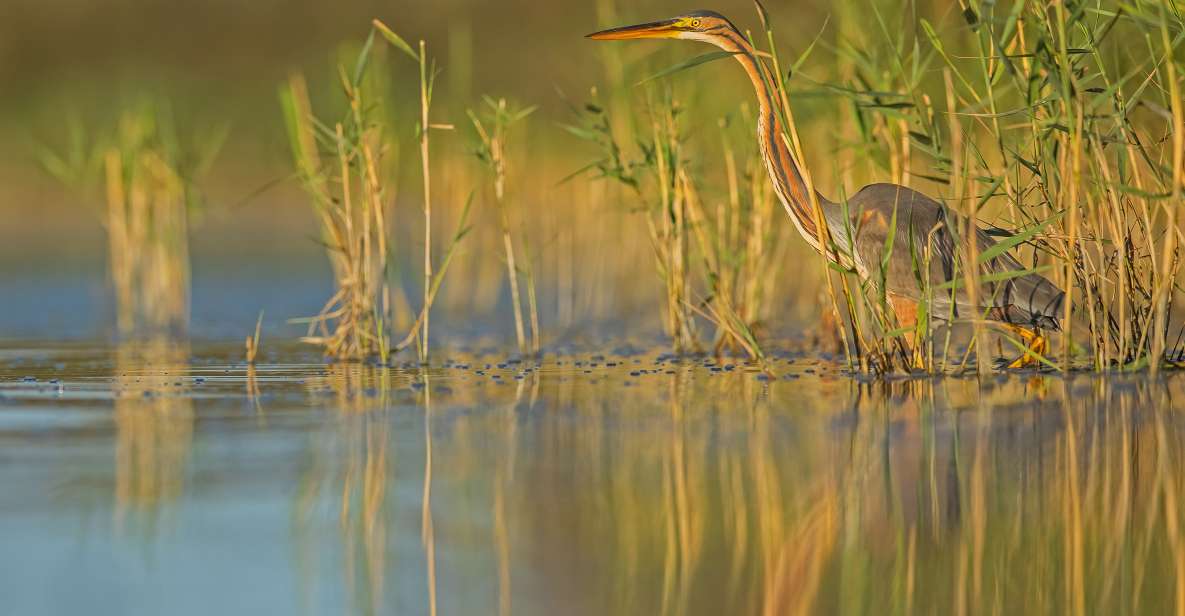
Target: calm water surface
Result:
[160, 478]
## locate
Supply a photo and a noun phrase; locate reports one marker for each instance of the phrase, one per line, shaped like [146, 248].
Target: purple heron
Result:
[1025, 303]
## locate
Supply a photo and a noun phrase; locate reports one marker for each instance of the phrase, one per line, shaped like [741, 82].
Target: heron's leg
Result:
[1035, 344]
[906, 311]
[918, 357]
[828, 335]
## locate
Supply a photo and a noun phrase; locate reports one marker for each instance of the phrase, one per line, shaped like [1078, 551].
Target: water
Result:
[161, 478]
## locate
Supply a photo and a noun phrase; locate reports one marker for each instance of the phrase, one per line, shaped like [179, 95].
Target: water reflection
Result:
[938, 497]
[154, 420]
[351, 469]
[647, 487]
[427, 532]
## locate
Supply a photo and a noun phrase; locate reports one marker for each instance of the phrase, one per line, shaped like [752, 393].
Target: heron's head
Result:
[706, 26]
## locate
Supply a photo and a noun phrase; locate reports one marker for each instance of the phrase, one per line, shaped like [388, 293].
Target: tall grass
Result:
[1057, 128]
[492, 136]
[351, 200]
[1054, 123]
[146, 172]
[1037, 123]
[717, 261]
[1069, 120]
[653, 170]
[352, 197]
[428, 72]
[1051, 133]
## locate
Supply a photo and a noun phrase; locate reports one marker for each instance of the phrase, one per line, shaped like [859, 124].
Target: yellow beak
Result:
[658, 29]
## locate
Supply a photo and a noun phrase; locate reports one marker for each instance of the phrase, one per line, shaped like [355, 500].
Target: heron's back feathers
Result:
[924, 231]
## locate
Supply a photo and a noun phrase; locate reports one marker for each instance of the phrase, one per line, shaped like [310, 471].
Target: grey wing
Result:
[923, 230]
[1026, 299]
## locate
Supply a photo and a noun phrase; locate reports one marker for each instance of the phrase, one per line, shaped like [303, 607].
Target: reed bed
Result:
[1044, 125]
[718, 262]
[1056, 134]
[146, 173]
[351, 200]
[352, 197]
[1037, 123]
[654, 171]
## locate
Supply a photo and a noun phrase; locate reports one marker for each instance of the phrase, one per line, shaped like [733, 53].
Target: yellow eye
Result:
[695, 23]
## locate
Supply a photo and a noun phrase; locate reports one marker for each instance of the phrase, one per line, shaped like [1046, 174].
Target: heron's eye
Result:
[695, 23]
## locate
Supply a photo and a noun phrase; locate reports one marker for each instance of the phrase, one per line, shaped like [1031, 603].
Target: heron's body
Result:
[920, 224]
[1027, 300]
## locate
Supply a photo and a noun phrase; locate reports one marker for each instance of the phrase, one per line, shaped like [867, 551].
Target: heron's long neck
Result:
[779, 162]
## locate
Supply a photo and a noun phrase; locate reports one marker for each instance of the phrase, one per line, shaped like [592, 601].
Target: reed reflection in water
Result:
[350, 467]
[628, 486]
[154, 423]
[689, 494]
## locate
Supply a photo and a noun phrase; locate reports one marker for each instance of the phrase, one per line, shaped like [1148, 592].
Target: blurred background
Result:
[72, 67]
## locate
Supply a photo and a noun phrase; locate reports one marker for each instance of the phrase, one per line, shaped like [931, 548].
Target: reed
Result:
[669, 223]
[832, 253]
[146, 172]
[147, 232]
[428, 71]
[425, 104]
[1043, 125]
[492, 136]
[532, 296]
[1068, 140]
[712, 258]
[1053, 129]
[251, 344]
[350, 198]
[653, 169]
[740, 245]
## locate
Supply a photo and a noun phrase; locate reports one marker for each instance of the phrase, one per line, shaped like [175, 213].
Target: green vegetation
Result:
[350, 198]
[492, 151]
[146, 173]
[1054, 125]
[1048, 122]
[684, 484]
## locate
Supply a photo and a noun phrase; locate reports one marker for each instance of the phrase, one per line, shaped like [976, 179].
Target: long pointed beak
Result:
[657, 29]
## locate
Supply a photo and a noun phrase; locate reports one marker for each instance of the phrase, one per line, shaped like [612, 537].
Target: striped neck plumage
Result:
[779, 162]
